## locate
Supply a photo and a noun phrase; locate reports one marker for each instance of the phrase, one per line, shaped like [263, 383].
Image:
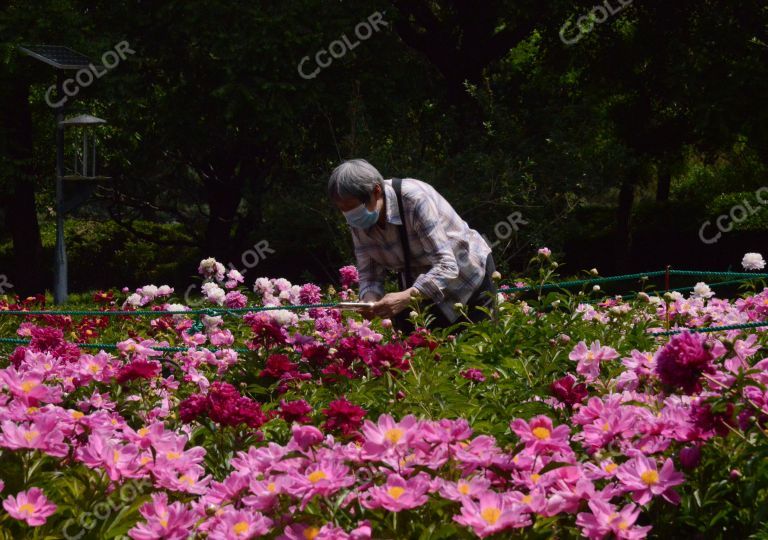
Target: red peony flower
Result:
[295, 411]
[343, 416]
[138, 369]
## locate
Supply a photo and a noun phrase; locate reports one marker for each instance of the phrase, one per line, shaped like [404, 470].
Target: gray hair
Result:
[354, 178]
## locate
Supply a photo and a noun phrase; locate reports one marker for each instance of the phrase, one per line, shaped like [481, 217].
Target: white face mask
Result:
[361, 217]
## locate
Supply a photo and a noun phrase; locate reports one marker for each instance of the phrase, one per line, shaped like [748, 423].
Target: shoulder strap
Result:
[397, 185]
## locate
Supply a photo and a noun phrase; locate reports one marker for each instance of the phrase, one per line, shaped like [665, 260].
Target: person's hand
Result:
[392, 304]
[368, 313]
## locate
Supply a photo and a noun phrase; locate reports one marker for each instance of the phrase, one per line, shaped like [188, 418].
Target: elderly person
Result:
[407, 226]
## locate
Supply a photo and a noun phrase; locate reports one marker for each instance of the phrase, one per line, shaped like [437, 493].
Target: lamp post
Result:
[63, 59]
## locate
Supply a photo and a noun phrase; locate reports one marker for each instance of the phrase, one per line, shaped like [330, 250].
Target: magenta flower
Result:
[473, 374]
[491, 514]
[681, 362]
[641, 476]
[538, 435]
[349, 276]
[605, 520]
[589, 358]
[30, 506]
[397, 493]
[567, 391]
[164, 521]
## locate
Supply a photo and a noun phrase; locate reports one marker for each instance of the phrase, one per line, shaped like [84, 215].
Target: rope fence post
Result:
[666, 295]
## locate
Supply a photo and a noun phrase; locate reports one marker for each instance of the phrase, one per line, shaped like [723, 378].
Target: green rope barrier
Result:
[711, 329]
[581, 282]
[113, 346]
[693, 273]
[206, 311]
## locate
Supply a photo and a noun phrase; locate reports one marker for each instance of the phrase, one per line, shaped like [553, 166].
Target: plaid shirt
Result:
[447, 256]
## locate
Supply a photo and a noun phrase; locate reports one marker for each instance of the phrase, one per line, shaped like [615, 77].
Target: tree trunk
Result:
[223, 200]
[664, 184]
[623, 224]
[21, 213]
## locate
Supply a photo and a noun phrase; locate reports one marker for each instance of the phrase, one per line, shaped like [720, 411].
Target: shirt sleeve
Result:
[370, 273]
[426, 224]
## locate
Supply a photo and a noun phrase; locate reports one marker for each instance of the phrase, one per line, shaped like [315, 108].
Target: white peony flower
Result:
[133, 300]
[702, 290]
[283, 317]
[753, 261]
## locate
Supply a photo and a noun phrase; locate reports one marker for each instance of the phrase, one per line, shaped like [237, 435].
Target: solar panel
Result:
[57, 56]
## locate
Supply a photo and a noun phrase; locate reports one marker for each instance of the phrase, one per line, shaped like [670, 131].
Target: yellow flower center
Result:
[143, 432]
[271, 487]
[649, 477]
[535, 477]
[541, 433]
[164, 522]
[26, 508]
[316, 476]
[396, 492]
[311, 532]
[186, 479]
[94, 368]
[606, 427]
[491, 515]
[240, 527]
[623, 525]
[145, 459]
[611, 467]
[526, 499]
[172, 455]
[115, 456]
[31, 410]
[463, 488]
[28, 386]
[393, 435]
[77, 415]
[31, 435]
[590, 355]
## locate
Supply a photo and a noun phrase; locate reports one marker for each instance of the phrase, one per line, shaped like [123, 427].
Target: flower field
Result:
[565, 418]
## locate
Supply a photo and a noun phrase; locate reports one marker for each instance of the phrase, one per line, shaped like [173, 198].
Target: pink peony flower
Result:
[589, 358]
[163, 521]
[491, 514]
[539, 435]
[604, 520]
[397, 493]
[239, 524]
[30, 506]
[386, 435]
[640, 476]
